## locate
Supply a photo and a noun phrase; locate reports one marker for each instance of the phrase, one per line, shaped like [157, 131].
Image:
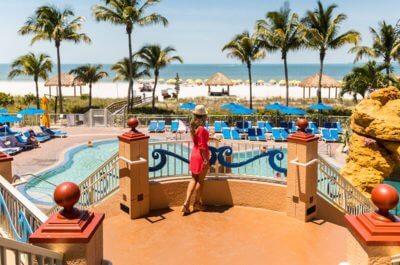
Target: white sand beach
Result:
[119, 90]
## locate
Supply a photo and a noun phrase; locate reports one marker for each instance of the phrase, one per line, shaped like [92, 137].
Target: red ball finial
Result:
[66, 195]
[385, 197]
[133, 123]
[302, 124]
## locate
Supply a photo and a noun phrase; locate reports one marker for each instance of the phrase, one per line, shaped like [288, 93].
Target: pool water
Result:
[81, 161]
[77, 165]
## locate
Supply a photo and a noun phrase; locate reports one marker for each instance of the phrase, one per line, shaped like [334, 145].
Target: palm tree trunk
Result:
[286, 79]
[60, 98]
[153, 103]
[90, 95]
[321, 70]
[37, 95]
[130, 88]
[251, 85]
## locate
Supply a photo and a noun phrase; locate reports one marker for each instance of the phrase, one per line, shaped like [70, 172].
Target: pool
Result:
[78, 163]
[81, 161]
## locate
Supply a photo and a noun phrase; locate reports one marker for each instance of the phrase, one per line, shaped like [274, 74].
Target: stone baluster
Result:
[374, 237]
[77, 234]
[134, 191]
[302, 176]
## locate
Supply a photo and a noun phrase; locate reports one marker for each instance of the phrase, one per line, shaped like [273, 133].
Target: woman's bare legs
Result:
[190, 190]
[199, 187]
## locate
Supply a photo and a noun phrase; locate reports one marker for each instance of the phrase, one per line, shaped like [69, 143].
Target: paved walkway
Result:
[237, 235]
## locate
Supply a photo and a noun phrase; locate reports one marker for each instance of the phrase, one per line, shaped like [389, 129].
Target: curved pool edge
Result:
[63, 158]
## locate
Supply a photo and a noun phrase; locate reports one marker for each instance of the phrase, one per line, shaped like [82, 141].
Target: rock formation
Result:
[374, 152]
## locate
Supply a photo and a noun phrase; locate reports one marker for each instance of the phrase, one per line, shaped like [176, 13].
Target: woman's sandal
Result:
[198, 207]
[185, 209]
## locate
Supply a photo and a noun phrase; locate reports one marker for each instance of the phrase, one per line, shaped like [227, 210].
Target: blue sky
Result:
[197, 29]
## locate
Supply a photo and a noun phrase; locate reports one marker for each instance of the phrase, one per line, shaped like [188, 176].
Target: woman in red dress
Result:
[199, 159]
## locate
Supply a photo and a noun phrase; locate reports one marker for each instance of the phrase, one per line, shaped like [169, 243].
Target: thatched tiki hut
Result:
[219, 80]
[327, 82]
[67, 80]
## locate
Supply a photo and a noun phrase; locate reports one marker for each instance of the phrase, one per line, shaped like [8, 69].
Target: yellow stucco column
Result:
[134, 189]
[302, 176]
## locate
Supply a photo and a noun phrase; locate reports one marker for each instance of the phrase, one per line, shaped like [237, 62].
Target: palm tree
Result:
[121, 69]
[90, 74]
[280, 31]
[386, 44]
[247, 48]
[365, 78]
[53, 24]
[156, 58]
[129, 13]
[37, 66]
[321, 32]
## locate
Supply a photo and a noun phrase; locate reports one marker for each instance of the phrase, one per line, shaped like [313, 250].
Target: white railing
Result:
[98, 185]
[17, 212]
[244, 151]
[336, 189]
[16, 253]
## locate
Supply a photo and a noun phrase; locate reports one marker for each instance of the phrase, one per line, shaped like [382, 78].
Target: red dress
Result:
[200, 141]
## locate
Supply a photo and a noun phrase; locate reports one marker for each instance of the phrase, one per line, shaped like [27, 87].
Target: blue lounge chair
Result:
[292, 127]
[261, 125]
[268, 126]
[8, 149]
[235, 135]
[326, 135]
[252, 136]
[334, 134]
[338, 126]
[160, 127]
[276, 134]
[313, 127]
[174, 126]
[224, 124]
[19, 142]
[152, 126]
[247, 126]
[40, 138]
[283, 124]
[52, 133]
[217, 126]
[240, 126]
[226, 133]
[328, 125]
[260, 135]
[284, 134]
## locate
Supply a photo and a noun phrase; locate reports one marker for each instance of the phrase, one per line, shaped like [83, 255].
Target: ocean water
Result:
[234, 71]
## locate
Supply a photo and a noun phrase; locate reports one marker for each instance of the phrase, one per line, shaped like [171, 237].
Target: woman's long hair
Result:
[196, 122]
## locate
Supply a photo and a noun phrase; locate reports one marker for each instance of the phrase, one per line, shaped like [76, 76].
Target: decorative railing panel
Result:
[170, 159]
[339, 191]
[13, 252]
[18, 216]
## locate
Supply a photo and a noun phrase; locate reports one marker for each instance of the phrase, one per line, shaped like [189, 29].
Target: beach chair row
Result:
[330, 135]
[13, 142]
[157, 126]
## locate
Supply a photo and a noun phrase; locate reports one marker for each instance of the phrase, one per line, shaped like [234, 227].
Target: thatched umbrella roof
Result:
[66, 80]
[327, 81]
[219, 80]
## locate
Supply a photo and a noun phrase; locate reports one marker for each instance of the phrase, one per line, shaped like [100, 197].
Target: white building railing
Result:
[18, 216]
[340, 192]
[16, 253]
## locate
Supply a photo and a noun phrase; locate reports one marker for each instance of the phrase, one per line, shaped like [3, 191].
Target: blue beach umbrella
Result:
[6, 119]
[188, 106]
[242, 111]
[31, 111]
[3, 111]
[274, 106]
[292, 111]
[320, 106]
[231, 106]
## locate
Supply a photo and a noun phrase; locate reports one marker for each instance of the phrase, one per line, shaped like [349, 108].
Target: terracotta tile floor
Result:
[235, 235]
